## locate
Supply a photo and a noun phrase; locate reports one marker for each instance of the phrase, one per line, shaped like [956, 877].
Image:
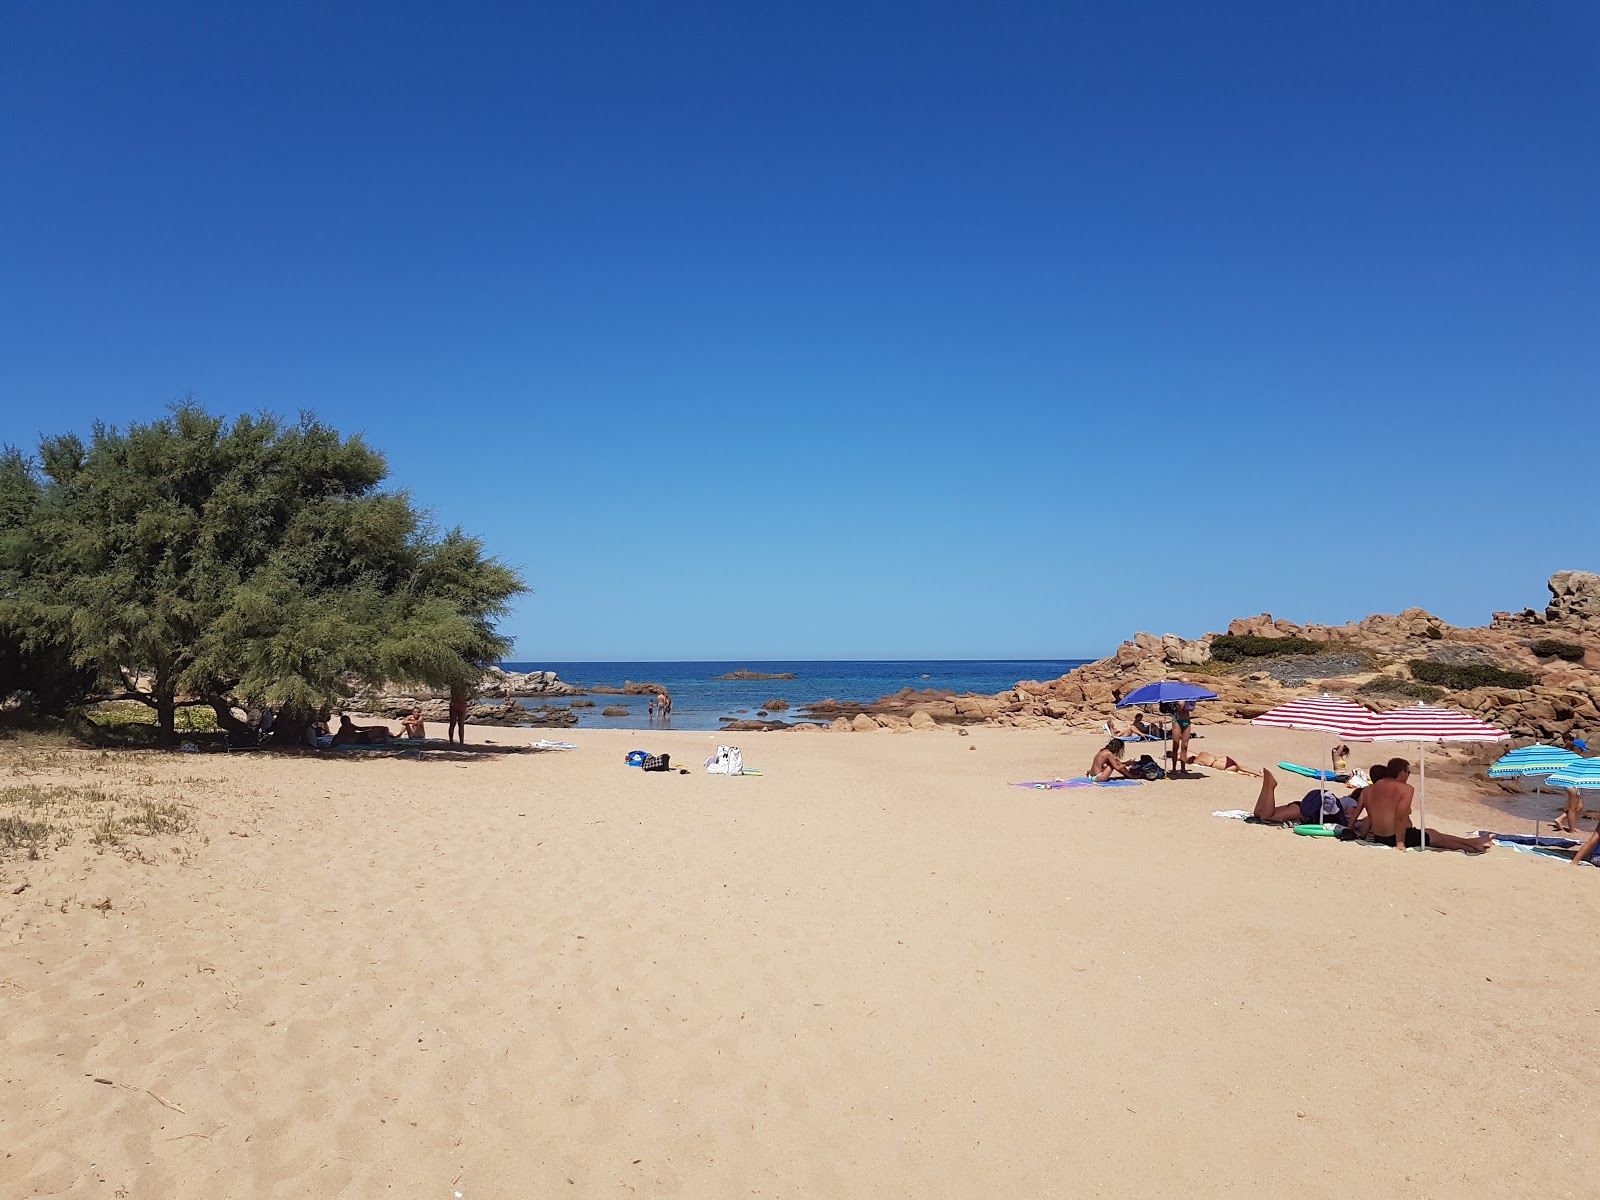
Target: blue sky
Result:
[906, 330]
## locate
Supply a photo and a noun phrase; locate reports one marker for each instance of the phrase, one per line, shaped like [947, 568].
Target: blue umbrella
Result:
[1583, 775]
[1532, 760]
[1166, 691]
[1163, 692]
[1535, 761]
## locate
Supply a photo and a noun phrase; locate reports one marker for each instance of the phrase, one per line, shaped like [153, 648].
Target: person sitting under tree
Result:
[412, 725]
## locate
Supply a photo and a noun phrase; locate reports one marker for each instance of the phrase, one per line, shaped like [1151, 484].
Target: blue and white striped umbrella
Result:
[1532, 760]
[1583, 775]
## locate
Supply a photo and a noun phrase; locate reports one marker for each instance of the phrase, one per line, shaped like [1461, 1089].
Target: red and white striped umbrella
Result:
[1326, 714]
[1425, 723]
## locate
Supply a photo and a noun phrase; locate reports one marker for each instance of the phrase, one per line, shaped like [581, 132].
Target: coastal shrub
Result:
[1238, 647]
[1459, 677]
[1390, 685]
[1434, 634]
[252, 564]
[1551, 648]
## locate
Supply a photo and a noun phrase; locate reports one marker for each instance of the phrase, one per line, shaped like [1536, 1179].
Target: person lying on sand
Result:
[351, 734]
[412, 725]
[1205, 758]
[1141, 728]
[1108, 762]
[1387, 803]
[1317, 807]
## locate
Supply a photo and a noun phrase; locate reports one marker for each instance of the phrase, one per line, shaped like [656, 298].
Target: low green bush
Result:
[1461, 676]
[1434, 634]
[1236, 648]
[188, 719]
[1551, 648]
[1389, 685]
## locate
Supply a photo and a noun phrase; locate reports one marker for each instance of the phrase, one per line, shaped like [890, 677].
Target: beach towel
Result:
[1544, 847]
[542, 744]
[1081, 782]
[1232, 814]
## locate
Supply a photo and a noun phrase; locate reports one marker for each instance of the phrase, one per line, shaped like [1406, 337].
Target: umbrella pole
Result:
[1422, 794]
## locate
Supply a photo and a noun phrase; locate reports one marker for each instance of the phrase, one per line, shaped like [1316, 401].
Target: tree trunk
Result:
[225, 717]
[165, 697]
[166, 717]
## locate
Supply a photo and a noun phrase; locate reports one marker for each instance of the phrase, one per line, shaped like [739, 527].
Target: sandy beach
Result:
[874, 970]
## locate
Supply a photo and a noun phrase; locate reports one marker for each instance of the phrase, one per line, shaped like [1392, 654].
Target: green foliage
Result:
[1434, 634]
[1389, 685]
[1236, 648]
[1461, 676]
[1551, 648]
[251, 564]
[188, 718]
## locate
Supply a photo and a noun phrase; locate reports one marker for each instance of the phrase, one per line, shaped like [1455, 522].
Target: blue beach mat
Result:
[1309, 773]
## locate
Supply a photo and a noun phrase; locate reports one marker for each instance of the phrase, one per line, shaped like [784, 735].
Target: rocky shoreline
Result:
[1533, 672]
[1552, 657]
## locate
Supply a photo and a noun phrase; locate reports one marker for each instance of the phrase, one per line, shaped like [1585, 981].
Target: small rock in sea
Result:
[613, 710]
[762, 713]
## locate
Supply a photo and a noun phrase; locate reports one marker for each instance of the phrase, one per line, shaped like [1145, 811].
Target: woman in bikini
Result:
[1182, 716]
[1220, 763]
[1108, 762]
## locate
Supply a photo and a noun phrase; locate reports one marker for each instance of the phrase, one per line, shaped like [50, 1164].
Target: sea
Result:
[700, 701]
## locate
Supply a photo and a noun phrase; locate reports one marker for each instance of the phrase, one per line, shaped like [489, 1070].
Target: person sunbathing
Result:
[1220, 762]
[1317, 807]
[1387, 804]
[1108, 762]
[351, 734]
[1140, 731]
[412, 725]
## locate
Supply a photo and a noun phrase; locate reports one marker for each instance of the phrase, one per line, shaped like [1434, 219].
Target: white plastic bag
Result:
[728, 760]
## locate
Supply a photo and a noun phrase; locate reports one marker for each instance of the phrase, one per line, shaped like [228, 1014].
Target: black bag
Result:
[1147, 768]
[658, 762]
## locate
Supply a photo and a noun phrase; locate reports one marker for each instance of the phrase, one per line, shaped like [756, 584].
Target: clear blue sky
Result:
[869, 330]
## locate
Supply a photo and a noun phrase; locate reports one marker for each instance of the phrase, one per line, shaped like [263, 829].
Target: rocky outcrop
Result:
[629, 688]
[775, 705]
[746, 673]
[1565, 698]
[496, 682]
[613, 710]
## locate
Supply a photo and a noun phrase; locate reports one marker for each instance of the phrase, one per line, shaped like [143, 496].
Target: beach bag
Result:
[1147, 768]
[728, 760]
[657, 762]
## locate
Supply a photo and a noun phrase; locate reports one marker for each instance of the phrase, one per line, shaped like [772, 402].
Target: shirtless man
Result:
[412, 726]
[664, 704]
[1108, 762]
[350, 734]
[1387, 804]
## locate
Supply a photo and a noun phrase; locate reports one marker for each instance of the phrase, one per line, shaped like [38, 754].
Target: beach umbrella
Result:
[1583, 775]
[1532, 762]
[1424, 723]
[1324, 714]
[1165, 691]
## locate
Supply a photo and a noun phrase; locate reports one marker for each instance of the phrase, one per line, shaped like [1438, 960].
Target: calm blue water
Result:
[698, 700]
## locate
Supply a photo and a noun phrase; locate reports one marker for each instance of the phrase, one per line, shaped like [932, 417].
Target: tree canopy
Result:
[257, 563]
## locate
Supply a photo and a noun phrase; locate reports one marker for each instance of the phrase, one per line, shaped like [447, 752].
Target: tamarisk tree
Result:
[257, 563]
